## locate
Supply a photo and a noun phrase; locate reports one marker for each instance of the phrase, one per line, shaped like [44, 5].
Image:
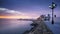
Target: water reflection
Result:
[14, 26]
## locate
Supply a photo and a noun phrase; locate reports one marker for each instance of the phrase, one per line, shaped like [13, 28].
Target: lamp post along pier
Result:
[52, 7]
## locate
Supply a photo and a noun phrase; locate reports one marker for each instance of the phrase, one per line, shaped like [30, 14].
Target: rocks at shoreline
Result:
[39, 28]
[32, 29]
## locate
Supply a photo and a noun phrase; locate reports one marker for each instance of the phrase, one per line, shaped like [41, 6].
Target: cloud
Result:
[4, 11]
[13, 13]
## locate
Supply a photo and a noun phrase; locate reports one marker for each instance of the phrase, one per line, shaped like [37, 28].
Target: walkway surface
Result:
[40, 29]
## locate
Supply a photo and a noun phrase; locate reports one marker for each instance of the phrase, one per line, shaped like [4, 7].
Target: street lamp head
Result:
[52, 6]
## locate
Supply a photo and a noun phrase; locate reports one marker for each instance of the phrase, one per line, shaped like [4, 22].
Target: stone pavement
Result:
[41, 28]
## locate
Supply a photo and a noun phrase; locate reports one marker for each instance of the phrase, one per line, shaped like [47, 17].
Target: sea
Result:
[14, 26]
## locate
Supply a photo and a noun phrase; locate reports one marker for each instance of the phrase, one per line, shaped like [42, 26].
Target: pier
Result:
[39, 28]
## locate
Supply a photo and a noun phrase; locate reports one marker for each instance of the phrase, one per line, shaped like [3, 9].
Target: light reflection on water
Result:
[14, 26]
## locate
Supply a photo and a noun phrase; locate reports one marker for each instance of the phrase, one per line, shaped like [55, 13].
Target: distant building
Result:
[44, 17]
[48, 16]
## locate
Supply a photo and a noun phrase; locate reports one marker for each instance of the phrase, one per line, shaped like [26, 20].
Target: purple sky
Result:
[28, 7]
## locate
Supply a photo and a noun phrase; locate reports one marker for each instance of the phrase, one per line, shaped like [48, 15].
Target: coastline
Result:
[39, 28]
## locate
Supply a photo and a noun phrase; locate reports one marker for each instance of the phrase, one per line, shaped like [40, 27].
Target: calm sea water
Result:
[55, 28]
[14, 26]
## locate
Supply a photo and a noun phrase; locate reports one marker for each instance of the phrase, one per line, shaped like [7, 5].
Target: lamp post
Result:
[52, 7]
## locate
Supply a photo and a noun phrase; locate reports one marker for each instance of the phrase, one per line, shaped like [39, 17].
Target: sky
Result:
[27, 8]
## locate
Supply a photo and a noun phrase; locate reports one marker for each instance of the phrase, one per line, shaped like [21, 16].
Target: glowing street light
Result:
[52, 7]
